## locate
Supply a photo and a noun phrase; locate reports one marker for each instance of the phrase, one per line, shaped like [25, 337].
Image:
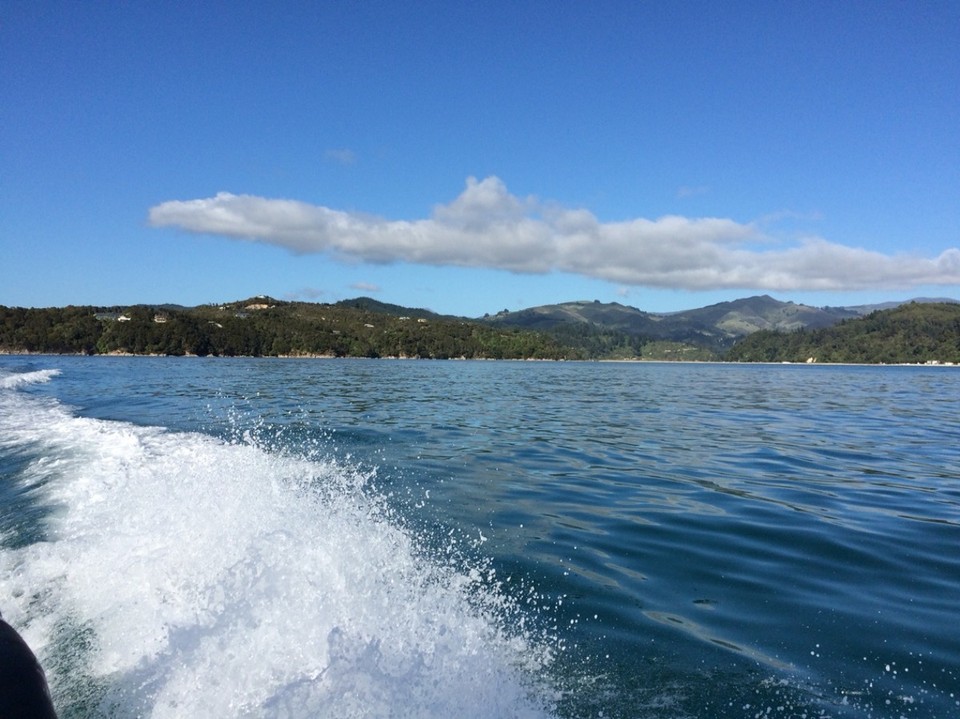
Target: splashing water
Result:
[174, 574]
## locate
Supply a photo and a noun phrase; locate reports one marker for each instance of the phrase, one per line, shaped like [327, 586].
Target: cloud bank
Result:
[487, 226]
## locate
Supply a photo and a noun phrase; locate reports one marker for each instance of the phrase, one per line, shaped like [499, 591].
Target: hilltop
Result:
[712, 330]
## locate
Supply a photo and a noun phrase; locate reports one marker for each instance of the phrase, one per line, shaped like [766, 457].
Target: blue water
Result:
[247, 537]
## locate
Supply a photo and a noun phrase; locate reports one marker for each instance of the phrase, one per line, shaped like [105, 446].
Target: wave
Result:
[177, 574]
[19, 379]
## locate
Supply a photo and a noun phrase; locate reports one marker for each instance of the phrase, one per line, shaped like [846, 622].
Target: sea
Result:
[243, 537]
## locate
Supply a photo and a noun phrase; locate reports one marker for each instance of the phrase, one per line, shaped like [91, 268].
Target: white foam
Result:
[18, 379]
[188, 576]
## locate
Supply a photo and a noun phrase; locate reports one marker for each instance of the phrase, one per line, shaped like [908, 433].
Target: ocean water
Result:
[185, 537]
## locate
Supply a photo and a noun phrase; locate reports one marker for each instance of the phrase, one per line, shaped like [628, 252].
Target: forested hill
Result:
[912, 333]
[262, 326]
[714, 328]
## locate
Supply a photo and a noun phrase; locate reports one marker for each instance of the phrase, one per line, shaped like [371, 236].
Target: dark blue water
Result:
[632, 540]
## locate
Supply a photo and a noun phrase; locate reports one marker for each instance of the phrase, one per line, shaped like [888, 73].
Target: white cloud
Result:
[486, 226]
[365, 287]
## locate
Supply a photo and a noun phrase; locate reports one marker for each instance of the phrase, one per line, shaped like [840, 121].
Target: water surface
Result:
[390, 538]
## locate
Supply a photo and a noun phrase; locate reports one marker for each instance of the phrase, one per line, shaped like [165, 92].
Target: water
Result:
[293, 538]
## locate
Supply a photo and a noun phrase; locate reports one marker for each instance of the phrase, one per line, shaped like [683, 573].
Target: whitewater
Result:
[173, 574]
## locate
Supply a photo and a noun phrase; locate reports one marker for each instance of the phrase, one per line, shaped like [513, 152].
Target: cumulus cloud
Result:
[487, 226]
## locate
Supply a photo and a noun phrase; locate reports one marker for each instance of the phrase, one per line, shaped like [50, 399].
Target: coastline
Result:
[404, 358]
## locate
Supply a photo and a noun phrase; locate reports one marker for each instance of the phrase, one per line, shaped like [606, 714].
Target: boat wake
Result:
[176, 574]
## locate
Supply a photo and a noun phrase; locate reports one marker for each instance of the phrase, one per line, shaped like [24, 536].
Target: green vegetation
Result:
[912, 333]
[267, 327]
[261, 326]
[664, 350]
[600, 342]
[595, 342]
[616, 330]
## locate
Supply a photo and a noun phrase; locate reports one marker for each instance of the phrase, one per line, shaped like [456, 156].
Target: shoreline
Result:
[401, 358]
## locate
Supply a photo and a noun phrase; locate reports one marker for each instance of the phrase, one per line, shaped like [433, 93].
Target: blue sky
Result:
[472, 157]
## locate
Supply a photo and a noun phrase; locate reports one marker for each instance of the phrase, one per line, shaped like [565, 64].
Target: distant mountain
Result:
[715, 327]
[547, 317]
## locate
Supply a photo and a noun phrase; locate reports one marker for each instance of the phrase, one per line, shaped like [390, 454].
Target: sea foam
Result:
[176, 574]
[19, 379]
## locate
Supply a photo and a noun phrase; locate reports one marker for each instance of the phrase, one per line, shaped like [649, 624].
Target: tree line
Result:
[264, 327]
[910, 334]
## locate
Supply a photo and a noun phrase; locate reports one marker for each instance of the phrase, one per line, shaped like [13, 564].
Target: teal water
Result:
[243, 537]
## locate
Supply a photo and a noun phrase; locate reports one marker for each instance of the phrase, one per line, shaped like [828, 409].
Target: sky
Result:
[474, 157]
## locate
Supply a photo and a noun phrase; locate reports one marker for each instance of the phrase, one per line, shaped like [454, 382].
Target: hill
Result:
[368, 304]
[712, 330]
[911, 333]
[363, 327]
[263, 326]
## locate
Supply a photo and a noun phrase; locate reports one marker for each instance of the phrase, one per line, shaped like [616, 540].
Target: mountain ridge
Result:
[715, 327]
